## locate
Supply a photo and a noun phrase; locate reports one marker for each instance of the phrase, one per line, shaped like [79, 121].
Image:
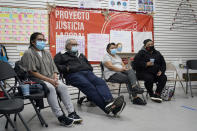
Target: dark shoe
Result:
[114, 104]
[137, 90]
[80, 101]
[139, 101]
[118, 110]
[156, 98]
[91, 104]
[77, 119]
[65, 121]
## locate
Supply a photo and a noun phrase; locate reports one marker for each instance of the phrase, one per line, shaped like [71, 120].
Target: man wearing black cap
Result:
[150, 66]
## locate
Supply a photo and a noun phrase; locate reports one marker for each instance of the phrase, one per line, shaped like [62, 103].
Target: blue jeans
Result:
[92, 86]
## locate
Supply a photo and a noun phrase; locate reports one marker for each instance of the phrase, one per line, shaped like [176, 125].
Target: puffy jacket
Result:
[68, 63]
[143, 56]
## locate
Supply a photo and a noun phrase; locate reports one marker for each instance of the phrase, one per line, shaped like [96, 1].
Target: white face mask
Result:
[74, 48]
[113, 51]
[40, 44]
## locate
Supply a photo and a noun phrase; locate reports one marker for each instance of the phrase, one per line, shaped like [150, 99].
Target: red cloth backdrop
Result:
[74, 21]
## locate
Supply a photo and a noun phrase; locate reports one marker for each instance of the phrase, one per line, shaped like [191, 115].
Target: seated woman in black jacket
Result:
[78, 72]
[150, 66]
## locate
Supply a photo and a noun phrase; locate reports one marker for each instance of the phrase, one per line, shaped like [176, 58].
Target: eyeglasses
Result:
[42, 40]
[74, 44]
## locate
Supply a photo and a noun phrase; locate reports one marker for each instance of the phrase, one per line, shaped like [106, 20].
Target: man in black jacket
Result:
[78, 72]
[150, 66]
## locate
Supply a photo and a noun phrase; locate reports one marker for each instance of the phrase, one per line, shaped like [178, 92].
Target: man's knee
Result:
[99, 81]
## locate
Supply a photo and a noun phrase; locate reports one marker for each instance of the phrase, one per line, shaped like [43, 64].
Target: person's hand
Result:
[159, 73]
[55, 77]
[53, 82]
[124, 69]
[149, 63]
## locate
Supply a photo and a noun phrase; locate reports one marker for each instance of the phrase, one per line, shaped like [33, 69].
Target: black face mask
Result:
[150, 48]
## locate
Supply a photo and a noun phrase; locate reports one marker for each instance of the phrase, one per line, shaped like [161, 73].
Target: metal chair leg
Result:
[78, 95]
[15, 116]
[24, 123]
[119, 89]
[42, 121]
[190, 86]
[6, 125]
[187, 81]
[10, 121]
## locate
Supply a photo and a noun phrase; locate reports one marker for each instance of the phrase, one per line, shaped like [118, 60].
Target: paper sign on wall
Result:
[138, 39]
[97, 46]
[123, 37]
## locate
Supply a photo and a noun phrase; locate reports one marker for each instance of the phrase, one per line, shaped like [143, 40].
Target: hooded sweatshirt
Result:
[144, 56]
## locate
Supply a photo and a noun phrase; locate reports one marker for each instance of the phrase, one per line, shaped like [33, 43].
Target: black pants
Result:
[150, 79]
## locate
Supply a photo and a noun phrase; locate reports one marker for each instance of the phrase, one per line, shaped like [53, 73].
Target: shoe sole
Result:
[158, 100]
[122, 108]
[77, 121]
[140, 104]
[117, 103]
[70, 125]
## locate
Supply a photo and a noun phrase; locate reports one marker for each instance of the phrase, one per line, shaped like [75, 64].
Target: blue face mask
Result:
[74, 49]
[40, 45]
[113, 51]
[119, 49]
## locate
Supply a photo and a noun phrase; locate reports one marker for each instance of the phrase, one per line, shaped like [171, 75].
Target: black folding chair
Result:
[191, 65]
[35, 99]
[10, 105]
[120, 83]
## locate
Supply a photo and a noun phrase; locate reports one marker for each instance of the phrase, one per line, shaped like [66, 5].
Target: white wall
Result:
[172, 44]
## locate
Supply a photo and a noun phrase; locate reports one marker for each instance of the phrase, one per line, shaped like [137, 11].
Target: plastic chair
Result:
[10, 105]
[173, 76]
[191, 65]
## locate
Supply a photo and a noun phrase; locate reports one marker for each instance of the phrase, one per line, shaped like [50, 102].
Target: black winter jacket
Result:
[70, 63]
[143, 56]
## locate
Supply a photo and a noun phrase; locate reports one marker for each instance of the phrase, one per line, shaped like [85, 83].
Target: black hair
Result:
[146, 41]
[33, 37]
[109, 45]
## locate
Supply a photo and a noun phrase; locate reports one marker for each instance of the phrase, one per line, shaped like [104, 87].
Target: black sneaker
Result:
[65, 121]
[118, 110]
[137, 90]
[80, 101]
[76, 118]
[139, 101]
[156, 98]
[114, 104]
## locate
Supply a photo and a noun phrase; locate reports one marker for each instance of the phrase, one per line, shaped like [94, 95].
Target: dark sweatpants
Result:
[150, 79]
[127, 77]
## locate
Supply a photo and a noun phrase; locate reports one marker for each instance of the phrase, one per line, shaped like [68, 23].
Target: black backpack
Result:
[20, 71]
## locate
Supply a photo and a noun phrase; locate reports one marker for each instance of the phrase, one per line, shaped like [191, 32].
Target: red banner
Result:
[80, 22]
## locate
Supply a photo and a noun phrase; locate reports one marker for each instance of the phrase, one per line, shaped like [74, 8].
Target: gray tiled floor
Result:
[180, 114]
